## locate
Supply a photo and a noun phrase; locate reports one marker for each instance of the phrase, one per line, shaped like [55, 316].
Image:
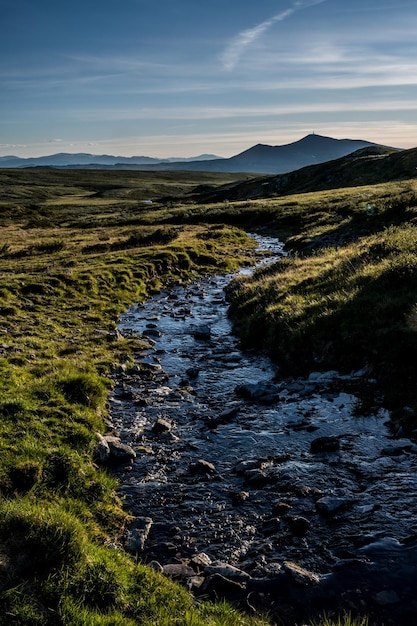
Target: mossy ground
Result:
[75, 249]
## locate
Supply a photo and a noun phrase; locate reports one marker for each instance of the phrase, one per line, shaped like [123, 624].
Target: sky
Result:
[179, 78]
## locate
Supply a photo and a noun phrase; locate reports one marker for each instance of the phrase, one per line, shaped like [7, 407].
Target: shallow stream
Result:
[258, 472]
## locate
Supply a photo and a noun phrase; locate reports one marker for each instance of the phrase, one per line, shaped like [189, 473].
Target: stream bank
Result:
[270, 492]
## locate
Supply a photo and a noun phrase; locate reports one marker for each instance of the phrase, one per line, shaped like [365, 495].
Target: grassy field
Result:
[75, 249]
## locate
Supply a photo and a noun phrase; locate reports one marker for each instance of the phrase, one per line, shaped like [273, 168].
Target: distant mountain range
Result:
[81, 159]
[261, 158]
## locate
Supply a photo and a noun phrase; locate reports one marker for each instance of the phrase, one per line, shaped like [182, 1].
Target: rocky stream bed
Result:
[273, 493]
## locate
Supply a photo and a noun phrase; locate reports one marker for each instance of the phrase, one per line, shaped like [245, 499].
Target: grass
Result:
[75, 249]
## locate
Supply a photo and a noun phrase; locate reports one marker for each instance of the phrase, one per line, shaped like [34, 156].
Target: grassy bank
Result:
[75, 249]
[346, 296]
[69, 264]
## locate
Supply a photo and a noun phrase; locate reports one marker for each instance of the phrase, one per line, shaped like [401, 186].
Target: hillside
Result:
[368, 166]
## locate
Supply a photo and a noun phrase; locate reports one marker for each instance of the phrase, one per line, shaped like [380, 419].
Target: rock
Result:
[110, 449]
[384, 598]
[262, 392]
[151, 332]
[119, 451]
[244, 466]
[156, 566]
[239, 497]
[202, 467]
[218, 586]
[280, 508]
[161, 426]
[202, 332]
[178, 570]
[256, 477]
[227, 571]
[330, 505]
[299, 525]
[201, 560]
[299, 575]
[324, 444]
[102, 450]
[137, 534]
[192, 372]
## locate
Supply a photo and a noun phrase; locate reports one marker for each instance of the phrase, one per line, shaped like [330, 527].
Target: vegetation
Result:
[75, 249]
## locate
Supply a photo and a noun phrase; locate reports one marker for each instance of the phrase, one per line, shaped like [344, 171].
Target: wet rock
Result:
[271, 526]
[137, 534]
[192, 372]
[280, 508]
[227, 571]
[330, 505]
[178, 570]
[109, 449]
[244, 466]
[161, 426]
[152, 332]
[156, 566]
[256, 477]
[201, 560]
[202, 467]
[218, 586]
[239, 497]
[325, 444]
[299, 575]
[264, 393]
[202, 332]
[299, 525]
[384, 598]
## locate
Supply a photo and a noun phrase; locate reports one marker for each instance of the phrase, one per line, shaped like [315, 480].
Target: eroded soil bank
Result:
[273, 493]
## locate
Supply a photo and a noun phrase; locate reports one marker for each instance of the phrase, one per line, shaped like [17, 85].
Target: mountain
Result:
[368, 166]
[260, 159]
[265, 159]
[77, 160]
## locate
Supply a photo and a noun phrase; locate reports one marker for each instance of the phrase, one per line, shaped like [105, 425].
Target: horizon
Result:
[173, 157]
[178, 80]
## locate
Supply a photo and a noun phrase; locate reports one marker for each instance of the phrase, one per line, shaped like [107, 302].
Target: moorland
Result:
[76, 249]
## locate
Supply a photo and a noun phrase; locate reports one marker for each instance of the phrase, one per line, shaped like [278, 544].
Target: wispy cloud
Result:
[233, 52]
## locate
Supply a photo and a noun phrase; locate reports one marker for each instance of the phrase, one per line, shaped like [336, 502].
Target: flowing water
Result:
[257, 472]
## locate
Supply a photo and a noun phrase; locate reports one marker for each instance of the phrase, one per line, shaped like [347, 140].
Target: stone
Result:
[137, 534]
[227, 571]
[256, 477]
[299, 525]
[178, 570]
[262, 392]
[219, 586]
[202, 332]
[299, 575]
[330, 505]
[110, 449]
[384, 598]
[119, 451]
[324, 444]
[161, 426]
[202, 467]
[239, 497]
[102, 450]
[201, 560]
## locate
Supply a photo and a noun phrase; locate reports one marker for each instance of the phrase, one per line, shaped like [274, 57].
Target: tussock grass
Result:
[76, 248]
[70, 262]
[345, 297]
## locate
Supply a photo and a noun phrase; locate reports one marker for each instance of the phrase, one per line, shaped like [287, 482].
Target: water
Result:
[357, 503]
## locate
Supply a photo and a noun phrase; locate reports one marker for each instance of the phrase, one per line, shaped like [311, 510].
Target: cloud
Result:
[243, 40]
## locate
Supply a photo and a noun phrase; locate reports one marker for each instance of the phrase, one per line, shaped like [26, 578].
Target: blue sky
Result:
[180, 78]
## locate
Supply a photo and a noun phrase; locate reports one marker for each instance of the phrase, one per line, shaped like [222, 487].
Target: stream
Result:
[273, 493]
